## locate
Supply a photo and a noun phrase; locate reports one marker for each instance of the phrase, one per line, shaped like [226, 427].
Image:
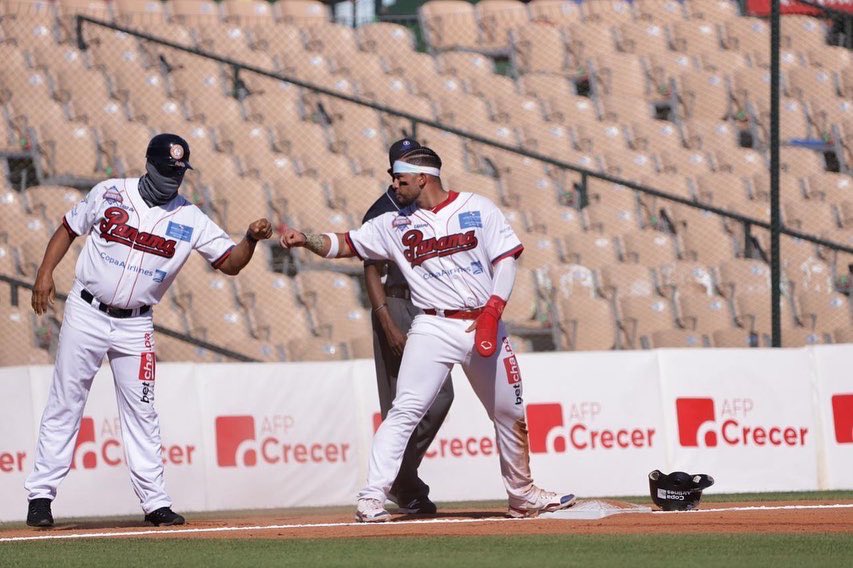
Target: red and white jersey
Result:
[447, 253]
[134, 251]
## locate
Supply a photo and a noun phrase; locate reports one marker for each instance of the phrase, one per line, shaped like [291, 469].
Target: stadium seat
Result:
[249, 11]
[752, 312]
[821, 310]
[694, 37]
[648, 247]
[51, 202]
[799, 337]
[590, 249]
[20, 345]
[449, 24]
[746, 34]
[738, 338]
[554, 12]
[703, 313]
[640, 316]
[315, 349]
[684, 277]
[495, 19]
[525, 307]
[641, 38]
[130, 12]
[619, 281]
[587, 324]
[843, 335]
[588, 39]
[659, 10]
[802, 32]
[611, 11]
[675, 338]
[385, 38]
[712, 10]
[304, 13]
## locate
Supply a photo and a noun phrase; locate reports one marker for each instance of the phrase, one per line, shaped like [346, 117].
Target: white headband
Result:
[407, 168]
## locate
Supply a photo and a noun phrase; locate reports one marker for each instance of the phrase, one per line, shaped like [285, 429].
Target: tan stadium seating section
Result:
[673, 95]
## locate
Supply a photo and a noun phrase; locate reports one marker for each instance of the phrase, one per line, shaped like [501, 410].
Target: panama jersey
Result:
[134, 251]
[447, 253]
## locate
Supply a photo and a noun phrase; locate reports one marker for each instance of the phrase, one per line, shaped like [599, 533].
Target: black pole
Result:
[775, 218]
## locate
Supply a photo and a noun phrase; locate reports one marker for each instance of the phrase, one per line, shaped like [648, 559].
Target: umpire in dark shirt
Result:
[393, 313]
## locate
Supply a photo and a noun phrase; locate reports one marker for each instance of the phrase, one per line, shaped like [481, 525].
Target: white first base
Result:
[591, 509]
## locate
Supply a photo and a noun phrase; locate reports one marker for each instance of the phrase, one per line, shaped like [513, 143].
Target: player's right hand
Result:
[395, 337]
[291, 238]
[44, 293]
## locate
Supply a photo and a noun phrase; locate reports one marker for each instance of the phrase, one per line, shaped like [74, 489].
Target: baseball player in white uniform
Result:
[457, 252]
[141, 233]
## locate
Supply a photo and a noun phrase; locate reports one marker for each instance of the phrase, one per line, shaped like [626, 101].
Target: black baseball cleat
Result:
[38, 514]
[418, 506]
[164, 516]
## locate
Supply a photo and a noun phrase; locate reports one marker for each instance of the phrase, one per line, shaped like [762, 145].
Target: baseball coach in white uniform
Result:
[458, 254]
[140, 233]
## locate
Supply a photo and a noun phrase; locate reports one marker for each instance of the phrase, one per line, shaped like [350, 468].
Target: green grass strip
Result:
[587, 551]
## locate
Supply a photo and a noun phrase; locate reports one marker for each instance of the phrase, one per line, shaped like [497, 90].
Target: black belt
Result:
[112, 310]
[402, 292]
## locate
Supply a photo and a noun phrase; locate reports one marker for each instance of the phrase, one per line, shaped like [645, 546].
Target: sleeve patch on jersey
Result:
[159, 275]
[180, 232]
[470, 219]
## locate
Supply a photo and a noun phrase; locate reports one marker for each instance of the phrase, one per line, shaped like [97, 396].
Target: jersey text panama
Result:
[420, 249]
[114, 228]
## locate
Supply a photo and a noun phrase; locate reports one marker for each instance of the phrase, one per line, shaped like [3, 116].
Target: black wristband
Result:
[250, 238]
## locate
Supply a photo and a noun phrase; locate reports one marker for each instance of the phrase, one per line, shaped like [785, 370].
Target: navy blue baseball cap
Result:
[399, 148]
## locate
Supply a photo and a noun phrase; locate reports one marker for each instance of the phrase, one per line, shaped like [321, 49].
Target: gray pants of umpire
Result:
[408, 485]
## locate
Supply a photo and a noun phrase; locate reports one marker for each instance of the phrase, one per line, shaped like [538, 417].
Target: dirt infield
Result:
[799, 517]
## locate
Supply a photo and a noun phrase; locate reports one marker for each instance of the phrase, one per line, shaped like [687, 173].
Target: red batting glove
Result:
[486, 335]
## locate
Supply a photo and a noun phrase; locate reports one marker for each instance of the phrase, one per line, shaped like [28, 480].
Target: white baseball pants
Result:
[434, 345]
[86, 336]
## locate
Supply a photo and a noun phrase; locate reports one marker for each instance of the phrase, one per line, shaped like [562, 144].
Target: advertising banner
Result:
[834, 399]
[17, 440]
[743, 416]
[594, 421]
[279, 435]
[244, 436]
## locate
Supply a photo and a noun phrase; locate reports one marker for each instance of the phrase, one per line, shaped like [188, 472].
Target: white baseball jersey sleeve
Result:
[446, 254]
[134, 251]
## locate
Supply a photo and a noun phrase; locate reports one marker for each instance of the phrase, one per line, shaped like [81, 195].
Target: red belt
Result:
[455, 314]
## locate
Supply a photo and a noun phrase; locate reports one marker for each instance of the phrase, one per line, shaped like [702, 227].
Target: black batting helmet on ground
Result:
[169, 149]
[678, 491]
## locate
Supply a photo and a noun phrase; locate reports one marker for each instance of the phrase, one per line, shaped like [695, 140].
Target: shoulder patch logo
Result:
[180, 232]
[470, 219]
[112, 196]
[400, 222]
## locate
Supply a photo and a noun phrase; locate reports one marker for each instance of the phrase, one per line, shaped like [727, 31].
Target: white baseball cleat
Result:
[371, 511]
[540, 501]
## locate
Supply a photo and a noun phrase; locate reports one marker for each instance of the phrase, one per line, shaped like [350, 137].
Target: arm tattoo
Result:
[316, 244]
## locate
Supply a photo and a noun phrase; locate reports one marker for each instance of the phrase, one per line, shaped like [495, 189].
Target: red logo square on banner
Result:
[541, 419]
[692, 413]
[231, 432]
[842, 413]
[85, 437]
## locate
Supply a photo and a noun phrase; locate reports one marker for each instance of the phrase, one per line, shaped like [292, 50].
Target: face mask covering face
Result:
[158, 187]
